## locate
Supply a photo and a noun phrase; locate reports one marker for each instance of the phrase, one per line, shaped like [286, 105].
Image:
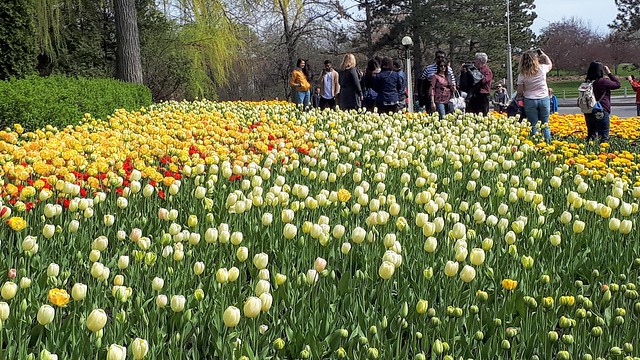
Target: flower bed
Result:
[230, 230]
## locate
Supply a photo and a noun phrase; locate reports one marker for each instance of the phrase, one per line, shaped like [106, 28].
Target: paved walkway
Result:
[615, 100]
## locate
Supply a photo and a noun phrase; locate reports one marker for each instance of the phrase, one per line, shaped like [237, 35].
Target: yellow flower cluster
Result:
[574, 125]
[163, 138]
[594, 160]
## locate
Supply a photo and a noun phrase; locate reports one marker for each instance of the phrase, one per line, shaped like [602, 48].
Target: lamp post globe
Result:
[407, 42]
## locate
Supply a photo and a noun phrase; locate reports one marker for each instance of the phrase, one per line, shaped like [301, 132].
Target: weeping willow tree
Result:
[47, 18]
[209, 39]
[205, 35]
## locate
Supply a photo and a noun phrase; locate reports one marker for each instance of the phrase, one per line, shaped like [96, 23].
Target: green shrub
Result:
[35, 102]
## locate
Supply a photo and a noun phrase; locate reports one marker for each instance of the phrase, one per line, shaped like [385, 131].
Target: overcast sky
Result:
[599, 12]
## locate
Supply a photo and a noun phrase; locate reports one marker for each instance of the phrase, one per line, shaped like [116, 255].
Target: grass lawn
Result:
[569, 88]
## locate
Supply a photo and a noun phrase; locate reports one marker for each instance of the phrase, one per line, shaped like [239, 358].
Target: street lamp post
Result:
[509, 69]
[407, 43]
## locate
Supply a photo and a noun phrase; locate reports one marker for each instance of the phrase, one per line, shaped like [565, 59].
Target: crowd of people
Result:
[383, 86]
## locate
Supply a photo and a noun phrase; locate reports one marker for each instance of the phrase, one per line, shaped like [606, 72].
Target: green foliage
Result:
[188, 47]
[164, 62]
[628, 19]
[459, 27]
[87, 44]
[16, 39]
[59, 101]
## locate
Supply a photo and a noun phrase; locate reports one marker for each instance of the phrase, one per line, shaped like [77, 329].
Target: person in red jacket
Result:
[635, 85]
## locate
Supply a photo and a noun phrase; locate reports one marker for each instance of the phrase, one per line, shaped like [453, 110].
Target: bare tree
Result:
[616, 50]
[286, 27]
[566, 42]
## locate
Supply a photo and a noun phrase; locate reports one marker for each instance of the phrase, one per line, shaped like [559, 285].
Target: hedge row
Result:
[35, 102]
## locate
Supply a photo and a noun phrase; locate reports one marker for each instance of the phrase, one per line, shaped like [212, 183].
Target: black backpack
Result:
[470, 79]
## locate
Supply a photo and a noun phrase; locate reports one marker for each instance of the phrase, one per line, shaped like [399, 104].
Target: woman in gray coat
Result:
[350, 96]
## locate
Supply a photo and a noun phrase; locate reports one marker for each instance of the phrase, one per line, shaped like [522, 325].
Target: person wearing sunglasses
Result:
[441, 89]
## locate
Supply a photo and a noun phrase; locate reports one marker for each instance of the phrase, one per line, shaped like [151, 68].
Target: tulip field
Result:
[240, 230]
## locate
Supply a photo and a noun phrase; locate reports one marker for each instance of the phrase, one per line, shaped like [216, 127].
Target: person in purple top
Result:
[598, 123]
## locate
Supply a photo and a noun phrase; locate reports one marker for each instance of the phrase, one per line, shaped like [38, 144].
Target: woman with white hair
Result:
[479, 99]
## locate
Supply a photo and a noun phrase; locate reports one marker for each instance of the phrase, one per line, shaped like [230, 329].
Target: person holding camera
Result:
[603, 80]
[532, 87]
[635, 85]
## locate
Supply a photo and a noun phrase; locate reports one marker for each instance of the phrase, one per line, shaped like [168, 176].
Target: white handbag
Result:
[457, 101]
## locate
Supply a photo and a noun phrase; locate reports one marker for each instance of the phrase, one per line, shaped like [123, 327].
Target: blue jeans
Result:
[442, 109]
[537, 110]
[302, 97]
[637, 109]
[597, 126]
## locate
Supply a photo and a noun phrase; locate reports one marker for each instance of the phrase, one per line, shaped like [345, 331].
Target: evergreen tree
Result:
[16, 39]
[627, 22]
[459, 27]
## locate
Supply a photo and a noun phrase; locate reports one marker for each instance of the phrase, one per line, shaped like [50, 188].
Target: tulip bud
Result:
[78, 291]
[25, 283]
[260, 260]
[430, 244]
[161, 301]
[438, 347]
[48, 231]
[527, 262]
[267, 300]
[116, 352]
[278, 344]
[386, 270]
[280, 279]
[311, 276]
[4, 311]
[477, 256]
[8, 290]
[96, 320]
[231, 316]
[46, 313]
[252, 307]
[290, 231]
[236, 238]
[467, 274]
[198, 268]
[451, 268]
[139, 348]
[264, 286]
[422, 306]
[53, 270]
[345, 248]
[428, 273]
[320, 264]
[178, 303]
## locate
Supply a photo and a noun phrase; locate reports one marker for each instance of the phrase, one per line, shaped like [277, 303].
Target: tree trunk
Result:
[369, 28]
[128, 59]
